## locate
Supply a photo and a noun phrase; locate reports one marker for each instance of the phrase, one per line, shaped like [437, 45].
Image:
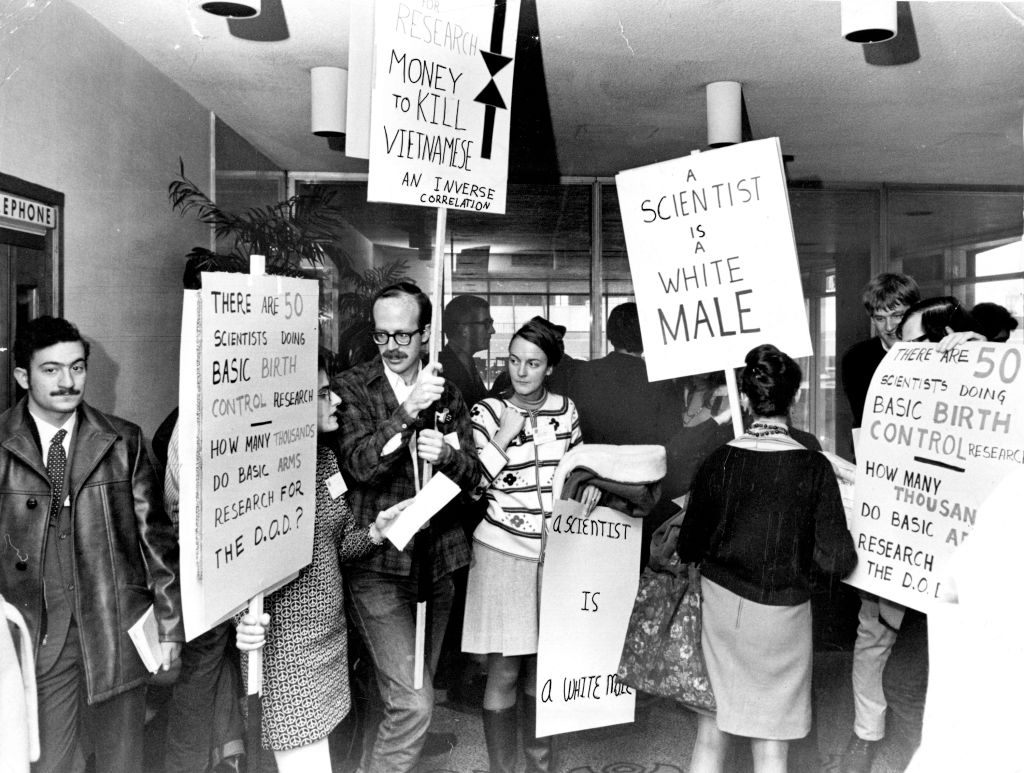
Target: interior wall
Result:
[85, 115]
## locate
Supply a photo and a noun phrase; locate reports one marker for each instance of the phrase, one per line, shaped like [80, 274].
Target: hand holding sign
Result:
[428, 390]
[431, 446]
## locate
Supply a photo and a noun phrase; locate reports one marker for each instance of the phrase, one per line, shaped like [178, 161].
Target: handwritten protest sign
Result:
[441, 102]
[940, 431]
[588, 586]
[247, 439]
[713, 260]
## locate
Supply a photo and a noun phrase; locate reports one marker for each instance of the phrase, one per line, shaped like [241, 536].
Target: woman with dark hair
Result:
[763, 509]
[933, 319]
[305, 656]
[520, 438]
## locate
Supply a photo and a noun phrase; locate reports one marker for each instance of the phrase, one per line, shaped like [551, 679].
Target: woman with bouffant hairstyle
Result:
[520, 438]
[763, 509]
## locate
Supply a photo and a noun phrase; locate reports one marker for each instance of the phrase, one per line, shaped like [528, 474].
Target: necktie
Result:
[56, 462]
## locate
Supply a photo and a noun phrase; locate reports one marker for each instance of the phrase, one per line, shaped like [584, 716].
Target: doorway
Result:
[29, 267]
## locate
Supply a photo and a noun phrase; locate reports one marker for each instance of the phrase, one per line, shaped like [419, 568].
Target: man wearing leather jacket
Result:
[85, 550]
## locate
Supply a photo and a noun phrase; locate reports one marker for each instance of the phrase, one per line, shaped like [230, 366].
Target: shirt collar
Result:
[398, 386]
[47, 431]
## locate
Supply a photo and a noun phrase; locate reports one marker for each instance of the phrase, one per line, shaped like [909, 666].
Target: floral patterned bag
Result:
[662, 654]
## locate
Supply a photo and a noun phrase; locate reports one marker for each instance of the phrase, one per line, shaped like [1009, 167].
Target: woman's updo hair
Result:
[937, 314]
[770, 380]
[546, 336]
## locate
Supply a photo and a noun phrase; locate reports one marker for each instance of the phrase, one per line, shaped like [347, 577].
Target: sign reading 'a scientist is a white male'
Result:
[441, 102]
[247, 437]
[713, 259]
[940, 431]
[588, 586]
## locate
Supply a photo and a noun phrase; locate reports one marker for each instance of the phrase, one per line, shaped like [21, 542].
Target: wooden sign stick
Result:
[437, 296]
[254, 662]
[734, 401]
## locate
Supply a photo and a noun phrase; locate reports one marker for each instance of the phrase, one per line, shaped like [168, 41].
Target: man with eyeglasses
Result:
[397, 414]
[886, 299]
[468, 327]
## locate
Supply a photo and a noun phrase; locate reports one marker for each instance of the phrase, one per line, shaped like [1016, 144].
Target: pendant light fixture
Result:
[725, 113]
[868, 21]
[232, 9]
[329, 87]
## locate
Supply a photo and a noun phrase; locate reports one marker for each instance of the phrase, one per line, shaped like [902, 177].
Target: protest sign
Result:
[939, 433]
[588, 586]
[247, 439]
[441, 102]
[713, 260]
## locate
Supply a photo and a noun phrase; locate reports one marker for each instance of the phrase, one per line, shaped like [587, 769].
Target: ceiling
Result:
[606, 85]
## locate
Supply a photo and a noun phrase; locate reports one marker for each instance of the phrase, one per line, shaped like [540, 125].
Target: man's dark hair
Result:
[460, 307]
[43, 332]
[624, 328]
[407, 289]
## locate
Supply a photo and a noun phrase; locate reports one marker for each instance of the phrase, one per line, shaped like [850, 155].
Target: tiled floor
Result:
[661, 741]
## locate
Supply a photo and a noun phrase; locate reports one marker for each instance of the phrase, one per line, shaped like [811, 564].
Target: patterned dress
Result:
[305, 658]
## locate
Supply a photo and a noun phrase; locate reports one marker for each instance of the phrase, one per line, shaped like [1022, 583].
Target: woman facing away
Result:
[305, 652]
[520, 437]
[763, 509]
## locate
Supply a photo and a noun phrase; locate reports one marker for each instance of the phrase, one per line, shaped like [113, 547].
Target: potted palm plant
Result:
[298, 237]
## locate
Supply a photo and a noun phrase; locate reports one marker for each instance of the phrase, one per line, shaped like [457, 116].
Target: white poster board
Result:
[940, 432]
[588, 585]
[713, 259]
[442, 102]
[247, 439]
[360, 77]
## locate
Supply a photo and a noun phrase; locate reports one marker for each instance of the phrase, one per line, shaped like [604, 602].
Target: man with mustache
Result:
[87, 549]
[396, 414]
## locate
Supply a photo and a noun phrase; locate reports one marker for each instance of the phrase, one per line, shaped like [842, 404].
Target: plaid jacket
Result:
[370, 417]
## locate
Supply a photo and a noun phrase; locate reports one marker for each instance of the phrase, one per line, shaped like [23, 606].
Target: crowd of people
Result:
[106, 547]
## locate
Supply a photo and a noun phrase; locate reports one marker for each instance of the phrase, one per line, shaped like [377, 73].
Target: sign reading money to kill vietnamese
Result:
[441, 102]
[940, 431]
[247, 439]
[713, 259]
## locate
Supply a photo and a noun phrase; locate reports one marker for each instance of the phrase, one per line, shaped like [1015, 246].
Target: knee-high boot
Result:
[500, 735]
[540, 752]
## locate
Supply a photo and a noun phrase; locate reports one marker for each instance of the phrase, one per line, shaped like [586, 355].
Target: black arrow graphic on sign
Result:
[491, 96]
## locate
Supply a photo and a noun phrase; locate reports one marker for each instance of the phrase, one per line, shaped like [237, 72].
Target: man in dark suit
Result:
[87, 551]
[468, 326]
[615, 401]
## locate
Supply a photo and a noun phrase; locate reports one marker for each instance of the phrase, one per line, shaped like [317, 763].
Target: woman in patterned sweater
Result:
[305, 656]
[520, 438]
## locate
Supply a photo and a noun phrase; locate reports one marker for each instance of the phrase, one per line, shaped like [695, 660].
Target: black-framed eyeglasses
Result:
[402, 338]
[488, 322]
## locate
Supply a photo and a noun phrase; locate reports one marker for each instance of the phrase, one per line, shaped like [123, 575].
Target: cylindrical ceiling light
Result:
[330, 95]
[725, 113]
[868, 21]
[232, 9]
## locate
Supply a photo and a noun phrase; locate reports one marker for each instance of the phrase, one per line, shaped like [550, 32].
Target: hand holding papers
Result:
[432, 497]
[146, 638]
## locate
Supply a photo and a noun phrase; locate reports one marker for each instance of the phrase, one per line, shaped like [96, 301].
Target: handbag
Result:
[662, 653]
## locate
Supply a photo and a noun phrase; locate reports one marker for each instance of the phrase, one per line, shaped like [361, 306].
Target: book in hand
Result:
[146, 637]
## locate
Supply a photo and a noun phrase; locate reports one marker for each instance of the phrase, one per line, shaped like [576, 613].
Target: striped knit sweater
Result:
[517, 481]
